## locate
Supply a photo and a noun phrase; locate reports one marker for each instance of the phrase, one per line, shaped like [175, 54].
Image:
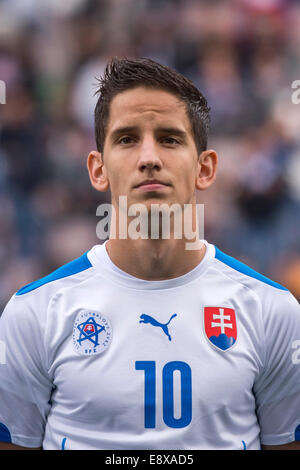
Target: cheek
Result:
[114, 184]
[188, 175]
[118, 183]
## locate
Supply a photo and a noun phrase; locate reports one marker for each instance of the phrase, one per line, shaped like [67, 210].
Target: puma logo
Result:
[164, 326]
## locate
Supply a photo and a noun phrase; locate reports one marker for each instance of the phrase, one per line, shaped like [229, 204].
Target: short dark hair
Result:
[124, 74]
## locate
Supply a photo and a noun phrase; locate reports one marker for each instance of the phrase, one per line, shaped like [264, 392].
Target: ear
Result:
[207, 167]
[97, 171]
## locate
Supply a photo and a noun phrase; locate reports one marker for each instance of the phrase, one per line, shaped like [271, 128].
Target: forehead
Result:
[146, 104]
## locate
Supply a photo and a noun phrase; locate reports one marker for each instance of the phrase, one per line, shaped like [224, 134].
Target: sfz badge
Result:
[220, 327]
[92, 333]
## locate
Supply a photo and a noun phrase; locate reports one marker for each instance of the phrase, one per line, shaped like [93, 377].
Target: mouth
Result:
[151, 185]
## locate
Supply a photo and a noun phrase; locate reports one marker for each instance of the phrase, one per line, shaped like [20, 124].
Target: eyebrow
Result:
[123, 130]
[134, 129]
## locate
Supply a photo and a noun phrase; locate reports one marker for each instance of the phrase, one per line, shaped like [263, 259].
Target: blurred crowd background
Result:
[243, 55]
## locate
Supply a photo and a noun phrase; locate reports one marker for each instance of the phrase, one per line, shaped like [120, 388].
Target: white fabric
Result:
[240, 397]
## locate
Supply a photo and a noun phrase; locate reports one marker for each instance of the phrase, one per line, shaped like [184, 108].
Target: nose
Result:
[148, 155]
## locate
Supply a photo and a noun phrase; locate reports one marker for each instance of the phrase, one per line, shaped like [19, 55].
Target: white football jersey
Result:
[94, 358]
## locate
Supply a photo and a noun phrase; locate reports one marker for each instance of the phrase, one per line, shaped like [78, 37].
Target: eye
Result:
[170, 140]
[126, 140]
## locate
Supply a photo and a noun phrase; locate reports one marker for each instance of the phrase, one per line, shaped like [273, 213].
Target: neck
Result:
[163, 256]
[155, 260]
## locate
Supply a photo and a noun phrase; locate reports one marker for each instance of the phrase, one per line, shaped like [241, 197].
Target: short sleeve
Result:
[25, 387]
[277, 388]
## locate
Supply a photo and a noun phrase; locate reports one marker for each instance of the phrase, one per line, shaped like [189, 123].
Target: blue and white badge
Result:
[92, 333]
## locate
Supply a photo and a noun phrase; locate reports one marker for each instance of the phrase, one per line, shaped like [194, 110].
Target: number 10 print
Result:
[149, 367]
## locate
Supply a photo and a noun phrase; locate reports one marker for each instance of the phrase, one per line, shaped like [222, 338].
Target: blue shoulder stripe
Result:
[74, 267]
[244, 269]
[297, 433]
[4, 434]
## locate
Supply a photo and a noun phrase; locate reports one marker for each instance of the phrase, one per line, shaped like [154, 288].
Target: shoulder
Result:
[63, 273]
[32, 300]
[271, 295]
[273, 305]
[241, 272]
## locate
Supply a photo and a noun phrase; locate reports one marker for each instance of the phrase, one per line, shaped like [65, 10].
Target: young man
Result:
[142, 343]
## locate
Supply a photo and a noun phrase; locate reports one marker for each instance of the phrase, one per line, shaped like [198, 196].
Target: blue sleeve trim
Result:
[297, 433]
[244, 269]
[74, 267]
[4, 434]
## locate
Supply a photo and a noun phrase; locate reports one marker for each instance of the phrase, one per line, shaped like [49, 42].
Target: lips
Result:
[151, 183]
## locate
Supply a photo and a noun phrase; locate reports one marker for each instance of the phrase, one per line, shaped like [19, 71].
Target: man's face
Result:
[149, 152]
